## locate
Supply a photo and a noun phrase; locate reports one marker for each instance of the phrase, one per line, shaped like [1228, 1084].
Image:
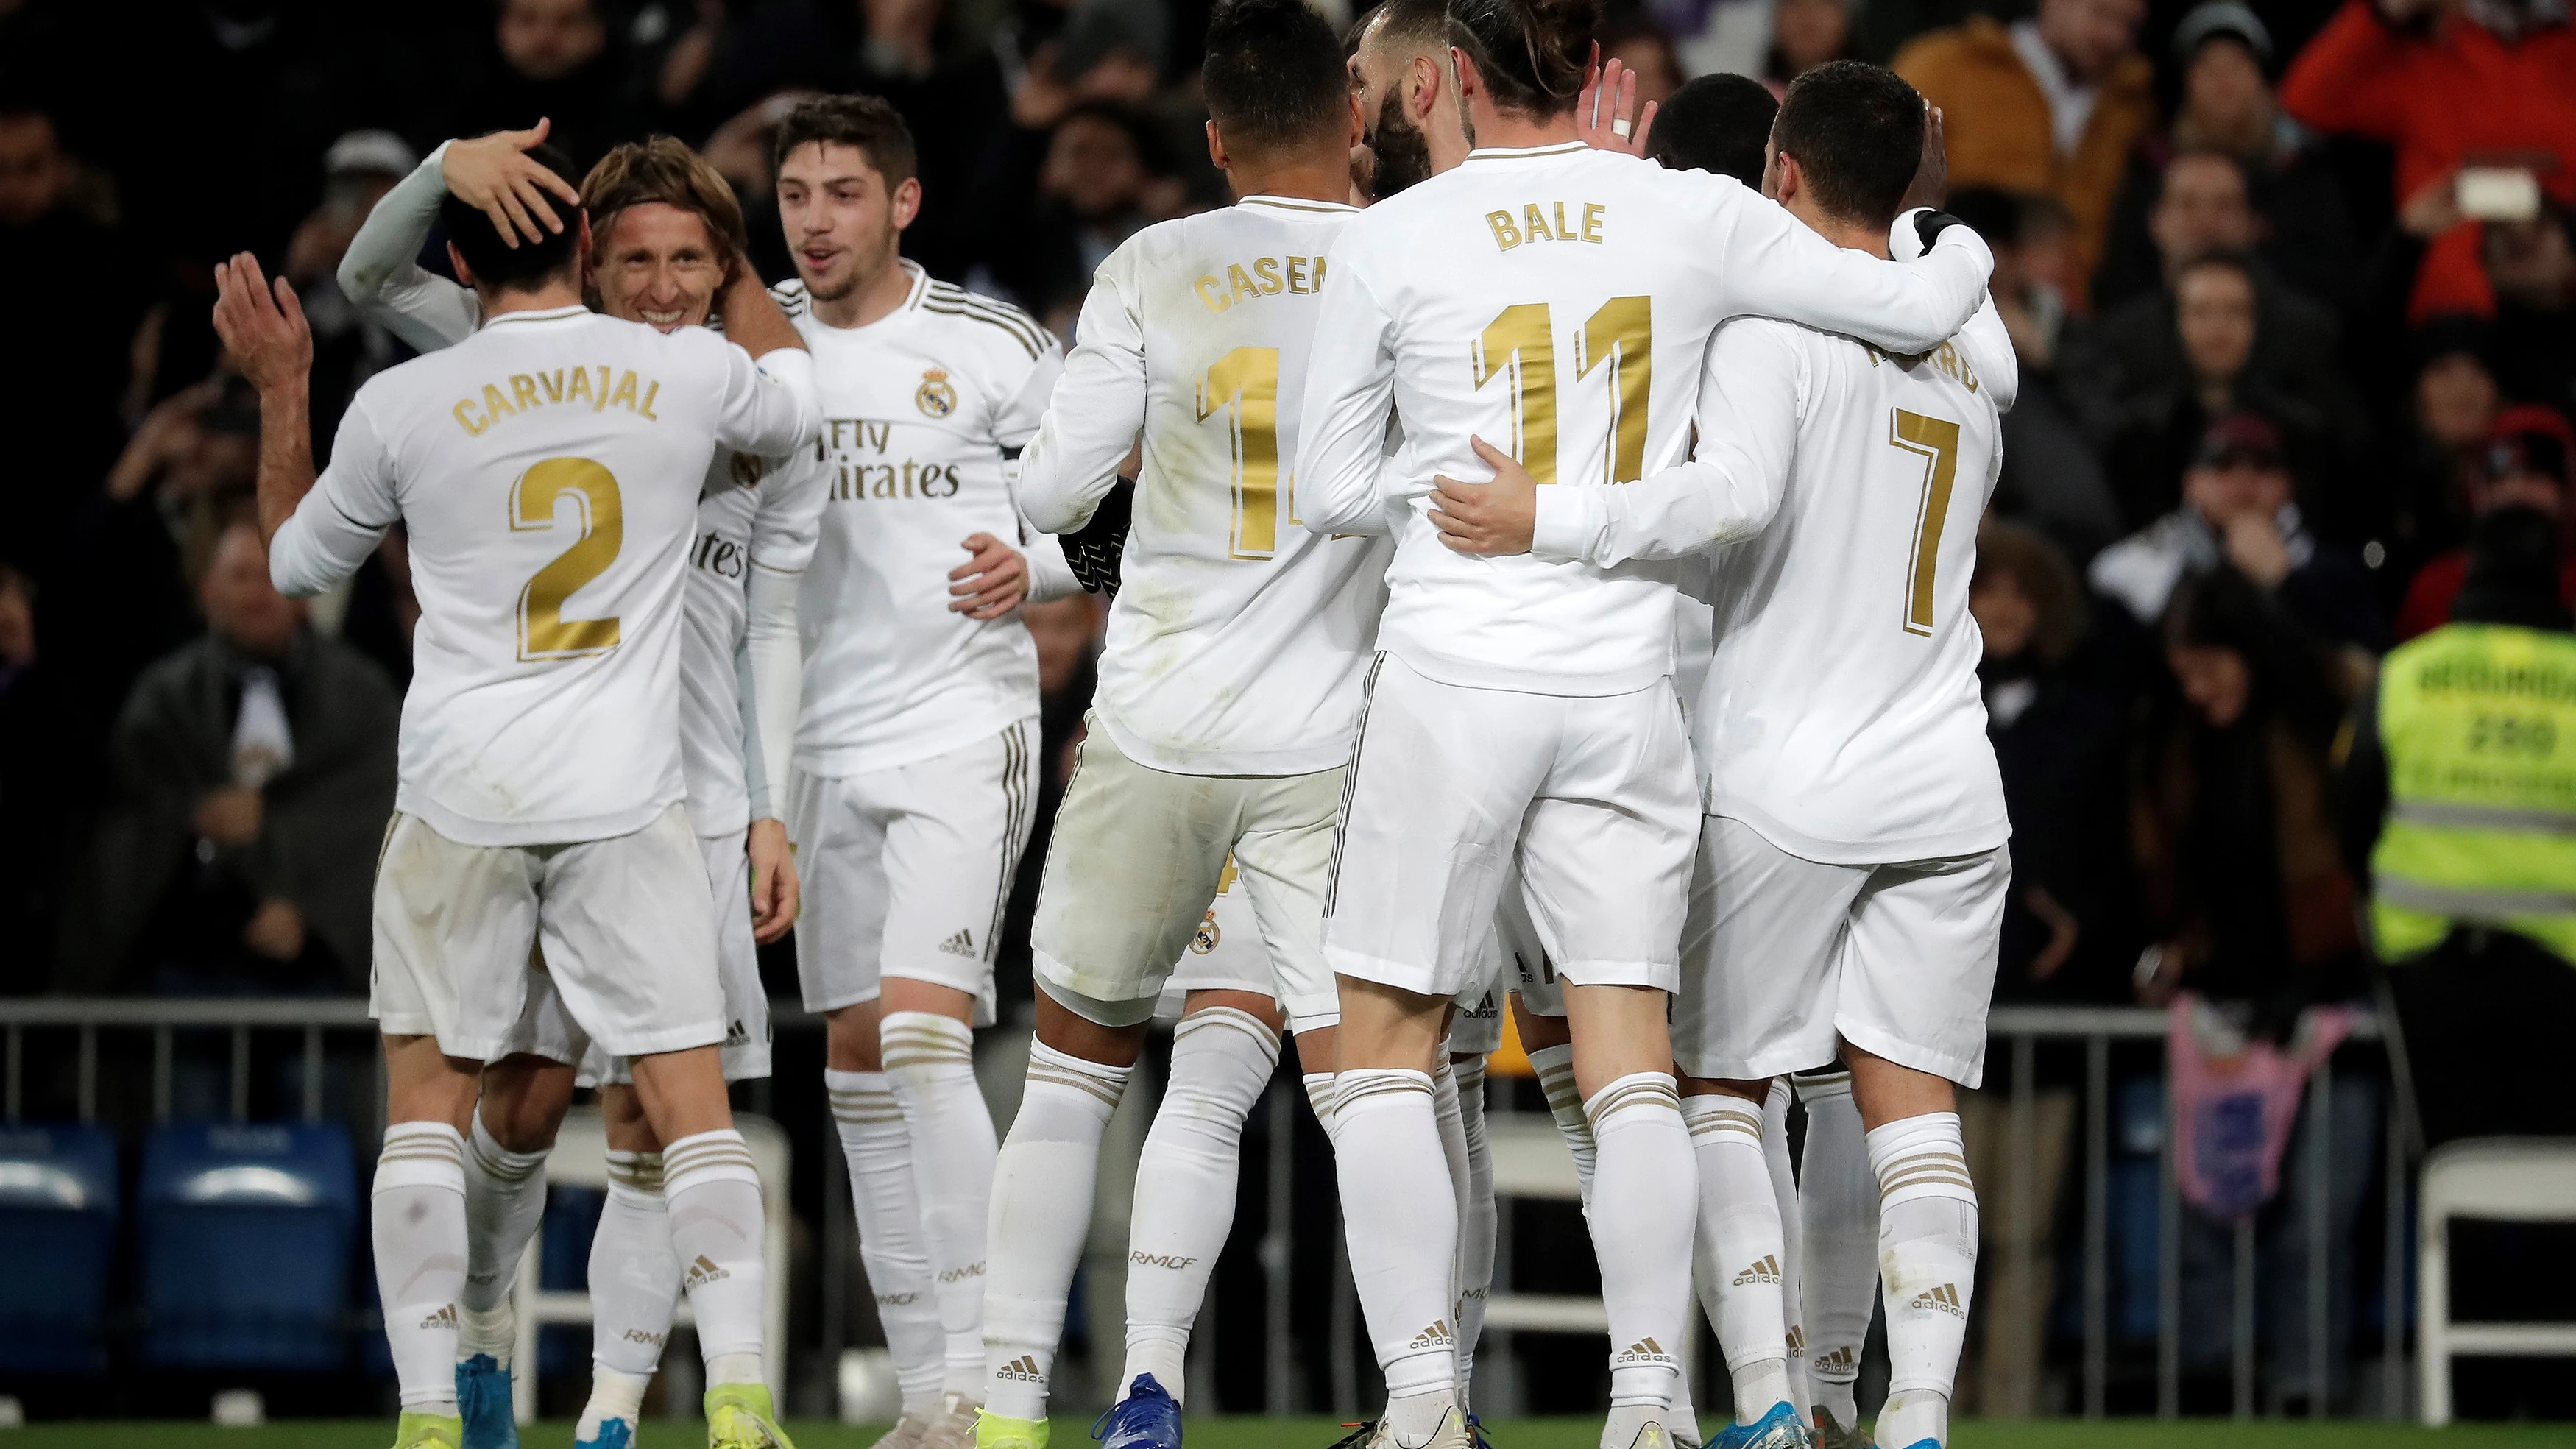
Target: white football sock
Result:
[1445, 1114]
[634, 1279]
[713, 1192]
[1042, 1190]
[1927, 1255]
[1645, 1200]
[1222, 1059]
[1319, 1095]
[1838, 1233]
[878, 1148]
[613, 1395]
[930, 1060]
[1555, 1068]
[417, 1213]
[1401, 1218]
[1739, 1225]
[1784, 1201]
[1475, 1222]
[505, 1199]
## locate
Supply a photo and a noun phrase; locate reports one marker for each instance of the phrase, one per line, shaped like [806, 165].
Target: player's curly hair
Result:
[1531, 53]
[665, 169]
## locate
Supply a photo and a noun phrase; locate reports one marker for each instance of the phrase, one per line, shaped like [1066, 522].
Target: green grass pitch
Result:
[1257, 1433]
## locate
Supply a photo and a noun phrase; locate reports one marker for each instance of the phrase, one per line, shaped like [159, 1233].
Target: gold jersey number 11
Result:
[1520, 343]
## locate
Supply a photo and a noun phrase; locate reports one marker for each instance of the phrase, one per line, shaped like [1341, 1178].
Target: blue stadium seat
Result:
[57, 1236]
[245, 1246]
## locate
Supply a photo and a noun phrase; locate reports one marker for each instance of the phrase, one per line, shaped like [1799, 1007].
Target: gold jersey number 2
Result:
[1936, 442]
[544, 633]
[1521, 343]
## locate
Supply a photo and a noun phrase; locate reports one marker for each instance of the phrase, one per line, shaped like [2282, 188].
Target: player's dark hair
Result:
[1274, 75]
[1717, 124]
[495, 263]
[867, 124]
[1416, 24]
[1531, 53]
[1857, 131]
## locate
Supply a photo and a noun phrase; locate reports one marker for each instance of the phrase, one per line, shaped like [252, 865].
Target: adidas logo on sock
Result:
[1842, 1362]
[702, 1272]
[1436, 1336]
[961, 944]
[1797, 1341]
[1643, 1351]
[1944, 1299]
[444, 1317]
[1766, 1271]
[1173, 1261]
[1023, 1369]
[960, 1275]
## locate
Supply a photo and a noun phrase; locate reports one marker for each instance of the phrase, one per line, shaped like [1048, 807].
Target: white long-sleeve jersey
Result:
[1558, 302]
[1839, 488]
[739, 663]
[547, 470]
[1238, 639]
[925, 413]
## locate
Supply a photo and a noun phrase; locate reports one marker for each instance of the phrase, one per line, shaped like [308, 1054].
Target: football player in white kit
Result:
[669, 239]
[1521, 707]
[915, 770]
[1232, 665]
[1852, 868]
[547, 470]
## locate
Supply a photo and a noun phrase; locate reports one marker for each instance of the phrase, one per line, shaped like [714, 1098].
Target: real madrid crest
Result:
[1204, 939]
[747, 470]
[936, 398]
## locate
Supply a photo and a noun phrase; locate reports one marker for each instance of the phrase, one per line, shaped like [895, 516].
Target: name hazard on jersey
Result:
[563, 387]
[844, 441]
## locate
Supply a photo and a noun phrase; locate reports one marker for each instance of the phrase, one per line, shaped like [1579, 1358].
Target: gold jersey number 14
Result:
[1520, 343]
[544, 633]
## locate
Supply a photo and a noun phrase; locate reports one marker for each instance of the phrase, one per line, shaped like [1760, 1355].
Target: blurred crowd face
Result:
[2214, 678]
[2214, 315]
[2237, 489]
[243, 608]
[2203, 209]
[2531, 262]
[2225, 100]
[17, 620]
[548, 39]
[1809, 33]
[2006, 617]
[31, 168]
[844, 223]
[2090, 36]
[658, 265]
[1092, 167]
[2455, 399]
[1658, 70]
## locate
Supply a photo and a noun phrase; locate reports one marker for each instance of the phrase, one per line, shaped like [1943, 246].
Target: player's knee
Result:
[850, 1038]
[1111, 1033]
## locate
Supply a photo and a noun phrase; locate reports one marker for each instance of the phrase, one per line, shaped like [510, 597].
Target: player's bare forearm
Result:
[285, 453]
[752, 319]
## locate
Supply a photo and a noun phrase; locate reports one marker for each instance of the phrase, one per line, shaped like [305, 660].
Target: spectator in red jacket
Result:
[2449, 83]
[2530, 462]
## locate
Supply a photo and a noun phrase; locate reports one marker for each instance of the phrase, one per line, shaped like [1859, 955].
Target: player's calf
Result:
[1927, 1241]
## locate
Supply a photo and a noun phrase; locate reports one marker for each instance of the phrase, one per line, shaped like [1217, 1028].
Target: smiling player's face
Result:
[659, 266]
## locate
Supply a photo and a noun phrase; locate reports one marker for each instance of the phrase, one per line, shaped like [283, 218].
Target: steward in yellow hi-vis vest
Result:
[2466, 764]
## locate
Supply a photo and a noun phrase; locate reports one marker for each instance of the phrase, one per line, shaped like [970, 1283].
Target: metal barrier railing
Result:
[2018, 1031]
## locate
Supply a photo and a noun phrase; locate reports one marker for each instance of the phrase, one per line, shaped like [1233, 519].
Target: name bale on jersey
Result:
[1266, 277]
[563, 387]
[845, 443]
[1534, 224]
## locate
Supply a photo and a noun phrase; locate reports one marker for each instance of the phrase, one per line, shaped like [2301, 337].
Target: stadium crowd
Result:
[2292, 286]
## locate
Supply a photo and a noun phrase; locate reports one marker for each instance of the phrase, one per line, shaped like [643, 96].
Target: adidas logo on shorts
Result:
[736, 1033]
[1024, 1369]
[961, 944]
[702, 1271]
[1944, 1299]
[1766, 1271]
[1435, 1336]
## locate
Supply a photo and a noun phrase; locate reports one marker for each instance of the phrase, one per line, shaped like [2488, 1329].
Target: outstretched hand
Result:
[262, 324]
[1496, 517]
[1605, 114]
[496, 176]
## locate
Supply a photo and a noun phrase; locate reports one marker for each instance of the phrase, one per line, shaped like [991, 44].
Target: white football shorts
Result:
[626, 927]
[1226, 953]
[1592, 793]
[1782, 954]
[1527, 971]
[907, 870]
[1135, 860]
[547, 1030]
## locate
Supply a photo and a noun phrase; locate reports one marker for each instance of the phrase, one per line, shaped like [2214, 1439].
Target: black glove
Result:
[1094, 549]
[1930, 224]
